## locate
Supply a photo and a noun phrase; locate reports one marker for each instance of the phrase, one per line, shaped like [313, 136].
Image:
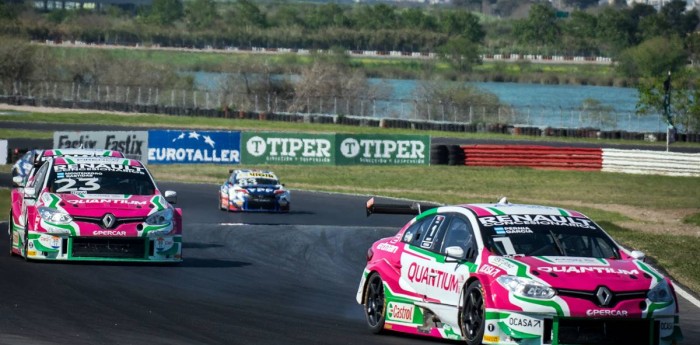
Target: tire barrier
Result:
[439, 155]
[455, 155]
[651, 162]
[565, 158]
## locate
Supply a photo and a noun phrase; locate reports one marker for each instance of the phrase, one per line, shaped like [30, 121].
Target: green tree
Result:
[166, 12]
[652, 57]
[201, 14]
[328, 15]
[248, 14]
[678, 20]
[16, 60]
[415, 18]
[461, 23]
[540, 27]
[461, 52]
[580, 31]
[685, 99]
[615, 30]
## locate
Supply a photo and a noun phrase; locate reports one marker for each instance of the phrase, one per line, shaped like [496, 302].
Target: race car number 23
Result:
[86, 184]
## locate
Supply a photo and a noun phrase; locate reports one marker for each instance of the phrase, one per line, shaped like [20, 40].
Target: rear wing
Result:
[414, 208]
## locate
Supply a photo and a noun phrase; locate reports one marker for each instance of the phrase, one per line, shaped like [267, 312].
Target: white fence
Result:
[651, 162]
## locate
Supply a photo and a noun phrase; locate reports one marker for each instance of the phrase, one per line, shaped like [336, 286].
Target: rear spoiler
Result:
[415, 208]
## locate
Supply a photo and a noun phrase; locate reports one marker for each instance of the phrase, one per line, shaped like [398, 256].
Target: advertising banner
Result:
[377, 149]
[288, 148]
[134, 144]
[194, 147]
[3, 152]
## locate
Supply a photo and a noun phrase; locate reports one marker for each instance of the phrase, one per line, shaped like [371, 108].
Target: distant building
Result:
[659, 3]
[87, 4]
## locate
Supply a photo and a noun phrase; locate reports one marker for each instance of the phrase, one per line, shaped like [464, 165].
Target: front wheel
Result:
[472, 316]
[375, 303]
[9, 232]
[26, 244]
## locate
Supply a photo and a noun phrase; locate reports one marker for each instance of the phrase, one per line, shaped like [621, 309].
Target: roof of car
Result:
[69, 160]
[500, 209]
[246, 173]
[46, 154]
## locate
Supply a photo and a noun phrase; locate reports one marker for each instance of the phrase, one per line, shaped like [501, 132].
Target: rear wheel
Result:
[472, 317]
[375, 303]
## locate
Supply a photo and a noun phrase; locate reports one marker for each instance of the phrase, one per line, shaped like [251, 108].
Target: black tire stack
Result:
[455, 155]
[438, 155]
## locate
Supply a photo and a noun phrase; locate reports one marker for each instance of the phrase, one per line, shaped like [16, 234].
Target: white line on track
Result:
[686, 295]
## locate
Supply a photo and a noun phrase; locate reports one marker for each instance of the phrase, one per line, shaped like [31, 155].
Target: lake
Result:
[535, 104]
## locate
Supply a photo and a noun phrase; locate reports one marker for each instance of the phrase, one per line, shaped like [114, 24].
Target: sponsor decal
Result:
[502, 263]
[163, 244]
[489, 270]
[387, 247]
[507, 230]
[108, 233]
[586, 269]
[400, 311]
[528, 219]
[289, 147]
[491, 338]
[606, 312]
[99, 167]
[105, 200]
[432, 277]
[53, 242]
[523, 322]
[491, 327]
[666, 326]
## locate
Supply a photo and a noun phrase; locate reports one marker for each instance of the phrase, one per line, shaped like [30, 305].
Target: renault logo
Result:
[604, 295]
[108, 220]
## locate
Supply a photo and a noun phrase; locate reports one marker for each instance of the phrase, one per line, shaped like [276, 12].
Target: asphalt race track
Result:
[246, 279]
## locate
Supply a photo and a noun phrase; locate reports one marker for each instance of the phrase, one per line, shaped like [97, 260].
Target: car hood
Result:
[96, 204]
[579, 273]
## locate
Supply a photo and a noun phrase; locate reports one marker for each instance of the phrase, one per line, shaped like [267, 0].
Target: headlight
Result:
[526, 287]
[660, 293]
[54, 216]
[160, 217]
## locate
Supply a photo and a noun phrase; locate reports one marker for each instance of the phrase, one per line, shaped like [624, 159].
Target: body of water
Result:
[535, 104]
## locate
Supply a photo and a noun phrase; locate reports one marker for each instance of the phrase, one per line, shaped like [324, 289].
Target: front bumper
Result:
[43, 246]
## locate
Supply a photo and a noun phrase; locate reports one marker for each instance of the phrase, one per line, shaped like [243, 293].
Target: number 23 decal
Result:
[87, 185]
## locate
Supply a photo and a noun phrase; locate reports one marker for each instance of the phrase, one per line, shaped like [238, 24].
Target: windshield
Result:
[563, 239]
[256, 181]
[136, 182]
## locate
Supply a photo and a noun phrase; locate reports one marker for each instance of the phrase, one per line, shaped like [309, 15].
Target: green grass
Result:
[21, 133]
[149, 121]
[693, 219]
[4, 204]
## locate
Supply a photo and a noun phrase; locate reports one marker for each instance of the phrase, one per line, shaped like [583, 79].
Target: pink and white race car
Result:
[95, 209]
[513, 274]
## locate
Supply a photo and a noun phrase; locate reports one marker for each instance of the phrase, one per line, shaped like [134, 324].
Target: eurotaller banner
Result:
[194, 147]
[334, 149]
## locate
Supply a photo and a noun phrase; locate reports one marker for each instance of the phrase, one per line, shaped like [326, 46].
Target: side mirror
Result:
[455, 253]
[171, 196]
[638, 255]
[18, 181]
[29, 192]
[230, 171]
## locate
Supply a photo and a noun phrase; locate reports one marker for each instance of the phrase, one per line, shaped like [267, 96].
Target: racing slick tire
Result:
[26, 245]
[375, 303]
[472, 317]
[9, 232]
[221, 205]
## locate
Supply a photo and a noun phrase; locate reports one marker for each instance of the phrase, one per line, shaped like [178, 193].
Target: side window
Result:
[426, 233]
[38, 181]
[460, 234]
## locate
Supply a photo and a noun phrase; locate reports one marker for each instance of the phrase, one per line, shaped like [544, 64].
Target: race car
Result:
[505, 273]
[95, 209]
[253, 190]
[24, 164]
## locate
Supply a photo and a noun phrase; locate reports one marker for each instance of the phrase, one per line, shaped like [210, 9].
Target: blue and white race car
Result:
[24, 164]
[253, 190]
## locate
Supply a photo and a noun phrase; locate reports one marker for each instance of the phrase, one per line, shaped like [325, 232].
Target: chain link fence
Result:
[172, 101]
